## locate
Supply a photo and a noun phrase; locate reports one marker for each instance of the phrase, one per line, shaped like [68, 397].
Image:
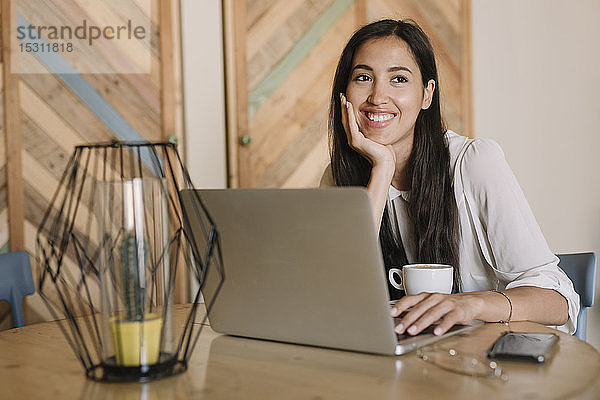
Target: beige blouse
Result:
[501, 246]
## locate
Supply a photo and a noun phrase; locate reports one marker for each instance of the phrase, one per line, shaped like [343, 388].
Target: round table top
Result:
[36, 362]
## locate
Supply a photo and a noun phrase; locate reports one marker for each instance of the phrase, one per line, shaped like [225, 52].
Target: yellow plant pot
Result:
[136, 342]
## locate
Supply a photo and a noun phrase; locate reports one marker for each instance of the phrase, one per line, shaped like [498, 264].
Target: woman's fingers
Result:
[354, 131]
[449, 309]
[420, 304]
[440, 310]
[349, 122]
[406, 302]
[447, 322]
[345, 116]
[403, 305]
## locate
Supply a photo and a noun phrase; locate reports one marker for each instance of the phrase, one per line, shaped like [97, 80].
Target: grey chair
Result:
[581, 269]
[15, 283]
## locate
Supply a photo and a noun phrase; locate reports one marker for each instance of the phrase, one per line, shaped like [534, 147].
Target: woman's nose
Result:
[378, 94]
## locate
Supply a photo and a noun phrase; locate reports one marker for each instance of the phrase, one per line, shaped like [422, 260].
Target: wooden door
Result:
[281, 57]
[43, 116]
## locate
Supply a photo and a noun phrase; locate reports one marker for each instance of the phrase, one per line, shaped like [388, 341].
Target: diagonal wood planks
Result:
[58, 112]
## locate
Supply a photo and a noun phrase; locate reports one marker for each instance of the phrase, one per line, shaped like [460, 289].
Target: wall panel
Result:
[60, 111]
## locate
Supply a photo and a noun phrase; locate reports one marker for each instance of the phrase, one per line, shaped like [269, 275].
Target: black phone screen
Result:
[536, 347]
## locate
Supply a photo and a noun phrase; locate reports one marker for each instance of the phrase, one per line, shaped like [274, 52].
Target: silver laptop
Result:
[301, 266]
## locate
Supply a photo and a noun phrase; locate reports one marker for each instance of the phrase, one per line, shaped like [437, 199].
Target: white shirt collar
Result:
[394, 193]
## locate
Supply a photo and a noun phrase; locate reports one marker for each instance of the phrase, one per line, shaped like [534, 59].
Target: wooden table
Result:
[37, 363]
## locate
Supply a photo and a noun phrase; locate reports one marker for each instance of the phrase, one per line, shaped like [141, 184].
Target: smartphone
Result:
[535, 347]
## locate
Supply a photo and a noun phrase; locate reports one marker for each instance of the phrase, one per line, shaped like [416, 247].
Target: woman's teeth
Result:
[379, 117]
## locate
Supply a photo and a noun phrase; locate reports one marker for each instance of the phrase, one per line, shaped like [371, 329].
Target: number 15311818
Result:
[46, 47]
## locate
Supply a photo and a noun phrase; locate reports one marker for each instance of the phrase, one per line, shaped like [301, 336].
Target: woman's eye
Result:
[399, 79]
[362, 78]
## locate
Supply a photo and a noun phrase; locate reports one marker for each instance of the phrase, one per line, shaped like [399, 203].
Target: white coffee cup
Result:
[419, 278]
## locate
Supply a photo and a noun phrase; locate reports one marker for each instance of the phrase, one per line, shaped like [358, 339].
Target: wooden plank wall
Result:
[57, 113]
[291, 51]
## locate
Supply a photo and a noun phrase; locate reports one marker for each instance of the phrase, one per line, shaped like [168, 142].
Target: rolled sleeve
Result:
[550, 276]
[510, 238]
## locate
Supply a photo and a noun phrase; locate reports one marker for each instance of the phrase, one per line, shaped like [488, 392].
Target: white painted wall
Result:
[204, 92]
[536, 78]
[204, 96]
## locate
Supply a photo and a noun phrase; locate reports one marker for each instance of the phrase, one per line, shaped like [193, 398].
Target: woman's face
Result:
[386, 90]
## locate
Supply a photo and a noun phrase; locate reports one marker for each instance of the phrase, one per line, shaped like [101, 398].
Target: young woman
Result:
[437, 197]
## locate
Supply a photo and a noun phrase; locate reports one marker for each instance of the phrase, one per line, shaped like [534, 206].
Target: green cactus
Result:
[134, 290]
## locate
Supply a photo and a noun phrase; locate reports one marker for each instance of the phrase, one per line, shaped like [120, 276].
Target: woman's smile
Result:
[377, 119]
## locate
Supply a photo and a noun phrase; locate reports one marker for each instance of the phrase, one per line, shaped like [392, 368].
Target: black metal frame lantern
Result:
[110, 245]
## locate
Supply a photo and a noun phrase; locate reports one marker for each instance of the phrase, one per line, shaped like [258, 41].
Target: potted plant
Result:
[136, 331]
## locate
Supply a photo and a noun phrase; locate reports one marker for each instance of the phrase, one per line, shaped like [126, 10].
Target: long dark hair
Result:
[432, 207]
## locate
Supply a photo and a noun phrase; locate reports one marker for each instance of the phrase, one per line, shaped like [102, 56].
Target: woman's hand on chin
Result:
[425, 309]
[377, 154]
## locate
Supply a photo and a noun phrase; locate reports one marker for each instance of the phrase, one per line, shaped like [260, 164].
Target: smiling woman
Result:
[388, 67]
[437, 197]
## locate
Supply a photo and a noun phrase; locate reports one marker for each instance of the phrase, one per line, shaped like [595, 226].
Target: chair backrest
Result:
[16, 282]
[581, 269]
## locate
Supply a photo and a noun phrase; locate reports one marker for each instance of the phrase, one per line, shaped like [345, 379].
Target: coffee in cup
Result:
[419, 278]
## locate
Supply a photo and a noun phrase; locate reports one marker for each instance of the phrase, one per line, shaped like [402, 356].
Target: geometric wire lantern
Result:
[110, 244]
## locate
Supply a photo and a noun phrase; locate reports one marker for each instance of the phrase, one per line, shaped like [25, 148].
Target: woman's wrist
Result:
[490, 306]
[384, 168]
[379, 182]
[510, 312]
[476, 304]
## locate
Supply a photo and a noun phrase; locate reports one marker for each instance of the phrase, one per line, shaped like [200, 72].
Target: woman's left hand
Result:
[427, 308]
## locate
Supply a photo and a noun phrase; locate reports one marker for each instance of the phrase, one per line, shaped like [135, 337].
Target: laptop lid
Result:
[301, 266]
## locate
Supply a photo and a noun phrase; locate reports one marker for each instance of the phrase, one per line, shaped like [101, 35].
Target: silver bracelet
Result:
[509, 303]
